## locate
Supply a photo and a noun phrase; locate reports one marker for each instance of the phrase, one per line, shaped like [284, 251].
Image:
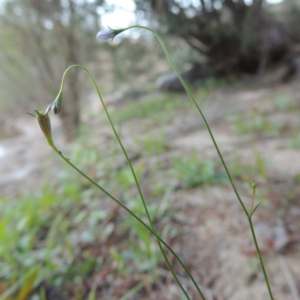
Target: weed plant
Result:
[247, 171]
[143, 224]
[161, 109]
[295, 141]
[191, 171]
[153, 145]
[255, 122]
[282, 104]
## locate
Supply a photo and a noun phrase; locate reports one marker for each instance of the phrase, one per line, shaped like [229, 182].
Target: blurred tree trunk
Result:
[41, 38]
[70, 114]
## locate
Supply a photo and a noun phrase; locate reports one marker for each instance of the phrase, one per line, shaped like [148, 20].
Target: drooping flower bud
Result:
[105, 35]
[57, 104]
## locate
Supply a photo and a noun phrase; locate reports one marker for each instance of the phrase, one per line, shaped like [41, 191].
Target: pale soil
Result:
[217, 244]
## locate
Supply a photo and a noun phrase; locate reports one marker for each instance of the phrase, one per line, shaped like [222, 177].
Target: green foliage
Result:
[255, 122]
[45, 228]
[203, 91]
[153, 145]
[92, 294]
[25, 285]
[261, 165]
[138, 287]
[281, 103]
[160, 108]
[192, 171]
[123, 178]
[146, 253]
[146, 256]
[297, 179]
[294, 141]
[246, 171]
[50, 226]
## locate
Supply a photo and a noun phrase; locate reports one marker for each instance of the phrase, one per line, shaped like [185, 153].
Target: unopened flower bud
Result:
[57, 108]
[57, 104]
[106, 35]
[45, 125]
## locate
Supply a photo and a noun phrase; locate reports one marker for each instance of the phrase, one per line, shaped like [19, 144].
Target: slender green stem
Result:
[125, 207]
[198, 108]
[141, 194]
[253, 196]
[139, 188]
[216, 146]
[136, 181]
[260, 257]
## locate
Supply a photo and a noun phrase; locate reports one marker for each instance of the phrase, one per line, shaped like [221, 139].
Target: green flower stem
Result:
[217, 148]
[260, 257]
[125, 207]
[135, 179]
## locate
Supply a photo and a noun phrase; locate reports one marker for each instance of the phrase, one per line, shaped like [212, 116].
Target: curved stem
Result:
[136, 181]
[216, 146]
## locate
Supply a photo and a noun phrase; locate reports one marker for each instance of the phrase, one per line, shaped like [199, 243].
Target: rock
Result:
[170, 81]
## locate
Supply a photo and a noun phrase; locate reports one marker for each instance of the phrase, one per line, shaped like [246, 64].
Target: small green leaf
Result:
[254, 209]
[28, 285]
[92, 294]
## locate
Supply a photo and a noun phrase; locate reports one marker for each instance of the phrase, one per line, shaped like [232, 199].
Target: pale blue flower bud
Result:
[106, 35]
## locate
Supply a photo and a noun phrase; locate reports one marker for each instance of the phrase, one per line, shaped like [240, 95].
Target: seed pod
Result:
[45, 125]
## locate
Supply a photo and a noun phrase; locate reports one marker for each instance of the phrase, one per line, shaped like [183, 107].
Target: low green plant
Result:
[294, 141]
[246, 171]
[281, 103]
[154, 145]
[44, 122]
[191, 171]
[203, 91]
[255, 122]
[155, 106]
[41, 232]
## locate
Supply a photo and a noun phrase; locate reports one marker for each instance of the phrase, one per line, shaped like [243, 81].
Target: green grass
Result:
[192, 171]
[245, 171]
[257, 123]
[281, 103]
[152, 145]
[160, 108]
[37, 228]
[51, 229]
[294, 141]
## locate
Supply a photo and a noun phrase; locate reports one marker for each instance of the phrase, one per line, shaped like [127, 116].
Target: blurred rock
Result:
[170, 81]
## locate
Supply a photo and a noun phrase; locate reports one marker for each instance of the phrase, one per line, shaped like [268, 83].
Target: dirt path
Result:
[22, 156]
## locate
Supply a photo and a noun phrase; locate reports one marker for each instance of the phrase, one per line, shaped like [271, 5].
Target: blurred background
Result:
[60, 238]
